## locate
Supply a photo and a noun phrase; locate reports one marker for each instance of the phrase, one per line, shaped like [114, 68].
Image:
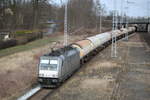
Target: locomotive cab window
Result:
[53, 65]
[46, 64]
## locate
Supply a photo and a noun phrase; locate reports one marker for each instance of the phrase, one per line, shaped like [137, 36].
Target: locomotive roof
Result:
[60, 51]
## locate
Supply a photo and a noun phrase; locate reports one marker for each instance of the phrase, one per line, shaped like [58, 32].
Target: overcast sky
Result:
[136, 8]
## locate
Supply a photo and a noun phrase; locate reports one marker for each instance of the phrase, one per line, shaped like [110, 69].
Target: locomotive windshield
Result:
[46, 64]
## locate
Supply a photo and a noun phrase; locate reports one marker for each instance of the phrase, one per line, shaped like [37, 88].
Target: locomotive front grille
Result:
[48, 81]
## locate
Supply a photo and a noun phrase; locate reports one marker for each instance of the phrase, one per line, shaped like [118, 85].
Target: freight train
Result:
[54, 68]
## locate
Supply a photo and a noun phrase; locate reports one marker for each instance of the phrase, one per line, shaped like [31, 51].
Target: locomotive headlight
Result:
[40, 80]
[55, 75]
[41, 75]
[54, 80]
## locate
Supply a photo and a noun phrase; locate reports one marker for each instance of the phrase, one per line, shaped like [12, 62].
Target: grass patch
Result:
[22, 32]
[28, 46]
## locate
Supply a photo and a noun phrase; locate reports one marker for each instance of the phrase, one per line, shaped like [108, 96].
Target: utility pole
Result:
[127, 7]
[100, 18]
[127, 17]
[96, 11]
[99, 14]
[148, 10]
[35, 13]
[66, 25]
[126, 35]
[148, 14]
[122, 13]
[114, 27]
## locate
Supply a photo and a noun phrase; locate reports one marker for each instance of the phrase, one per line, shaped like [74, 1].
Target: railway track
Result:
[39, 93]
[42, 95]
[30, 93]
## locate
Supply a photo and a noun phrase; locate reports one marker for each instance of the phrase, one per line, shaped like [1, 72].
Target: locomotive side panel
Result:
[71, 62]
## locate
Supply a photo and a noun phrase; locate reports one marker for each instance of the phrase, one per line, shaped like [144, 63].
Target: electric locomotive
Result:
[57, 66]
